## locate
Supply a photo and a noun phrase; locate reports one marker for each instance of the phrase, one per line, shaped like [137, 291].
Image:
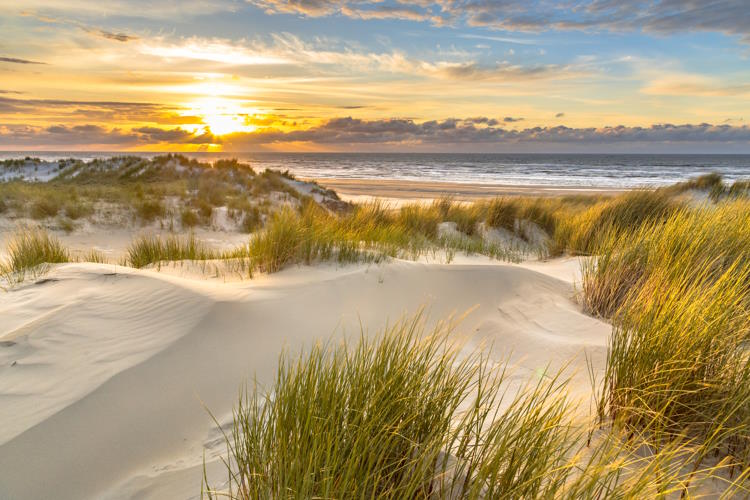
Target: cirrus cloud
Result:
[731, 17]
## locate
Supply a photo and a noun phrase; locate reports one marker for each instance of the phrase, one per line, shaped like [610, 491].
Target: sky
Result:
[639, 76]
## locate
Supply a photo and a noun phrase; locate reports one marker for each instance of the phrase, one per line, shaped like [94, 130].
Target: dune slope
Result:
[104, 372]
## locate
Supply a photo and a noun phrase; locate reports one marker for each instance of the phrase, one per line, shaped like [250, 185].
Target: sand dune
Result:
[104, 370]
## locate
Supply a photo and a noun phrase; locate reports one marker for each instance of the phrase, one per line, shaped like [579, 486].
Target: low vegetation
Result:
[409, 415]
[151, 249]
[678, 293]
[405, 415]
[161, 190]
[29, 252]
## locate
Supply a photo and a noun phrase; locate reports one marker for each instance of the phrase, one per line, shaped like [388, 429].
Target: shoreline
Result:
[358, 190]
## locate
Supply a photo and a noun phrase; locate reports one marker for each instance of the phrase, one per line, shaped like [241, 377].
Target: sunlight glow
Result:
[221, 116]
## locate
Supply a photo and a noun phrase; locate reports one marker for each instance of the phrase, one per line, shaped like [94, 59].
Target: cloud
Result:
[397, 132]
[72, 111]
[91, 135]
[177, 135]
[15, 60]
[731, 17]
[139, 9]
[511, 119]
[213, 50]
[120, 37]
[502, 39]
[559, 115]
[348, 131]
[63, 135]
[104, 109]
[502, 71]
[482, 120]
[287, 55]
[694, 85]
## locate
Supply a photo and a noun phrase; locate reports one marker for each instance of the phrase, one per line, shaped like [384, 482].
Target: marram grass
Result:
[678, 293]
[409, 415]
[30, 251]
[367, 233]
[147, 250]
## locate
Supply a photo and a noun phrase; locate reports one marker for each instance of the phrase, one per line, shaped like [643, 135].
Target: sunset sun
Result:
[221, 116]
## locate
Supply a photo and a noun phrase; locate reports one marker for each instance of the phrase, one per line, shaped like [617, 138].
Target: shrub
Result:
[205, 209]
[465, 215]
[419, 220]
[279, 243]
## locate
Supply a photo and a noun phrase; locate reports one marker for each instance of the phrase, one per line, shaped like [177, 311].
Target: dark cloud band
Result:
[351, 131]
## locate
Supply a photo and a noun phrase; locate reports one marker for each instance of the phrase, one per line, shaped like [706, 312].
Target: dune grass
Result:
[678, 293]
[411, 415]
[581, 233]
[144, 190]
[406, 416]
[29, 253]
[368, 233]
[150, 249]
[711, 183]
[739, 188]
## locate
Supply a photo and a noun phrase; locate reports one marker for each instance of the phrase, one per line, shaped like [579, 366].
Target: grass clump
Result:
[188, 218]
[251, 220]
[737, 189]
[408, 415]
[94, 256]
[678, 293]
[466, 216]
[366, 233]
[711, 183]
[76, 209]
[149, 210]
[46, 207]
[583, 233]
[155, 249]
[30, 251]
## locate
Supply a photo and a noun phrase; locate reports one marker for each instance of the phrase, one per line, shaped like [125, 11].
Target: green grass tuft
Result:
[678, 293]
[409, 415]
[30, 251]
[147, 250]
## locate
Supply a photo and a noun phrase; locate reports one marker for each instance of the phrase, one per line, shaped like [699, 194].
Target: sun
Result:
[221, 116]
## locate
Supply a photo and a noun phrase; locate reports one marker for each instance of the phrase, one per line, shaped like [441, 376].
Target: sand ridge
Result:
[112, 368]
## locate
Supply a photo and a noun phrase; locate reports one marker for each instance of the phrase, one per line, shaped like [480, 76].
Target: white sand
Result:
[103, 369]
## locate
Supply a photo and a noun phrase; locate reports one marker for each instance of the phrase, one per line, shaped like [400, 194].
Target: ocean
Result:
[587, 170]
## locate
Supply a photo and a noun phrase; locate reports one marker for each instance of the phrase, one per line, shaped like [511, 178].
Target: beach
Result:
[374, 249]
[121, 362]
[404, 191]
